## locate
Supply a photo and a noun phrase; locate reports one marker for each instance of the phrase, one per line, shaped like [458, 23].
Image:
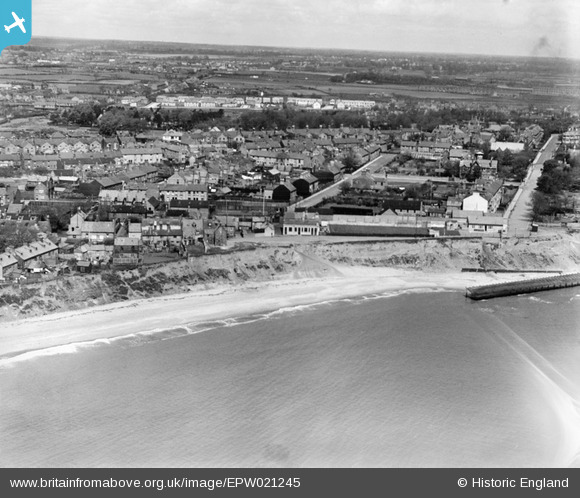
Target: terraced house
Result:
[142, 156]
[188, 192]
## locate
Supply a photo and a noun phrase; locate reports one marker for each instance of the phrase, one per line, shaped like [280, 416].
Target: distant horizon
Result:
[518, 28]
[289, 48]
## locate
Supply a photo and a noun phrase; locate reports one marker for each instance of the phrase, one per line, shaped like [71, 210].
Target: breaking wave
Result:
[183, 330]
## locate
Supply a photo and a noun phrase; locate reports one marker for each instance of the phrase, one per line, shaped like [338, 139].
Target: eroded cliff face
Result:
[81, 291]
[431, 255]
[306, 258]
[557, 253]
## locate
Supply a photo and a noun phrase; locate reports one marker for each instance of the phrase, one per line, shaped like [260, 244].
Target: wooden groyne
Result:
[523, 286]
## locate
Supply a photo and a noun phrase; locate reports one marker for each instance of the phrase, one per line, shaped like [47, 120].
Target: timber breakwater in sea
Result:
[523, 286]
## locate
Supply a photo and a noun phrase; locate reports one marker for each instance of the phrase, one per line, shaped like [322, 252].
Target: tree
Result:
[109, 123]
[573, 160]
[84, 114]
[351, 161]
[549, 166]
[328, 155]
[40, 170]
[504, 135]
[451, 168]
[486, 149]
[474, 173]
[540, 205]
[553, 181]
[520, 167]
[345, 187]
[505, 157]
[15, 235]
[103, 213]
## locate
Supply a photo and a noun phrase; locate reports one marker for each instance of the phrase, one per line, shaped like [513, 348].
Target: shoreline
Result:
[220, 302]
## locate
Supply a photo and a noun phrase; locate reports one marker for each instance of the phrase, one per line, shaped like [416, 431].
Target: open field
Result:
[70, 75]
[35, 124]
[32, 123]
[319, 85]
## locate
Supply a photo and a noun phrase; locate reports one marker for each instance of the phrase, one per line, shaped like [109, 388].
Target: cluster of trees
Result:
[556, 124]
[59, 215]
[351, 161]
[349, 195]
[386, 78]
[513, 166]
[113, 119]
[554, 179]
[453, 170]
[10, 172]
[550, 197]
[16, 235]
[80, 115]
[510, 166]
[418, 192]
[473, 173]
[188, 119]
[544, 205]
[116, 119]
[286, 118]
[429, 120]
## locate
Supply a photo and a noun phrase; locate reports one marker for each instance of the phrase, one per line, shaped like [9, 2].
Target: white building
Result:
[475, 202]
[511, 146]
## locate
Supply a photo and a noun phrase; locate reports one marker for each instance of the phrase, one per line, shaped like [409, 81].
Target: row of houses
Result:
[34, 146]
[391, 225]
[436, 151]
[205, 102]
[237, 136]
[127, 157]
[474, 132]
[571, 137]
[120, 242]
[32, 257]
[117, 193]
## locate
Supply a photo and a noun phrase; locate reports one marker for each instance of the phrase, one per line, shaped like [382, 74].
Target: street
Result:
[520, 217]
[333, 189]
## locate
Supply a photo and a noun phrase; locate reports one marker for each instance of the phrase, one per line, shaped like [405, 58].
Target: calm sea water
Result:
[409, 380]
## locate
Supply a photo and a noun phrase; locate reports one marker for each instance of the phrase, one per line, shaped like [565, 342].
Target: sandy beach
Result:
[475, 382]
[219, 302]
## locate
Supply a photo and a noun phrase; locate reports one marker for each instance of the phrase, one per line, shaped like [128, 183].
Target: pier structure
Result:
[523, 286]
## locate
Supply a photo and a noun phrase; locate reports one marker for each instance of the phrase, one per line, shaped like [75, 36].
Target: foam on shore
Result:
[161, 334]
[153, 315]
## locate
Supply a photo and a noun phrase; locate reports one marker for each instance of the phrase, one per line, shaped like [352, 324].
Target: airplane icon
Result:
[17, 22]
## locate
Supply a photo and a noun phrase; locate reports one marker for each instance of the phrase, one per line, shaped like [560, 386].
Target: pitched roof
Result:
[191, 187]
[109, 182]
[98, 226]
[377, 230]
[287, 185]
[35, 249]
[492, 188]
[139, 152]
[7, 260]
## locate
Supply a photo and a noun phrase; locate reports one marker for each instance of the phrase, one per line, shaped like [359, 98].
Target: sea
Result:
[409, 379]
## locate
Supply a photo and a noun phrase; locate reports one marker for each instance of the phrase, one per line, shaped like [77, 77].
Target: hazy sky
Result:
[510, 27]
